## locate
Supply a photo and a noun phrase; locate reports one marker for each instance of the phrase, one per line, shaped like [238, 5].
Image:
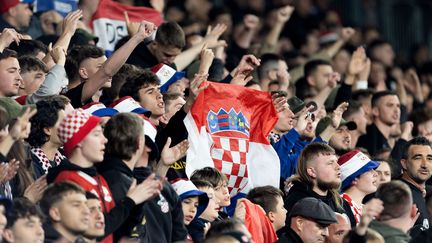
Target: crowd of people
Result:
[93, 145]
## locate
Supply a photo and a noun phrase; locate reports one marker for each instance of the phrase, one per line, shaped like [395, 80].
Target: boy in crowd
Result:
[96, 226]
[24, 223]
[271, 200]
[65, 206]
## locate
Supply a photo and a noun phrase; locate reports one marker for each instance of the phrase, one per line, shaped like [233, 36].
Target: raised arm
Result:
[211, 39]
[116, 61]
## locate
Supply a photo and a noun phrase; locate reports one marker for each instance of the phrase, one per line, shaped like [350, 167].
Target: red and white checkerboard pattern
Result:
[71, 124]
[229, 157]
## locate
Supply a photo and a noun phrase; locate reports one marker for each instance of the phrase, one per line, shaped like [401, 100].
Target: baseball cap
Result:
[295, 104]
[315, 209]
[99, 109]
[326, 121]
[5, 5]
[128, 104]
[186, 189]
[167, 75]
[352, 165]
[13, 108]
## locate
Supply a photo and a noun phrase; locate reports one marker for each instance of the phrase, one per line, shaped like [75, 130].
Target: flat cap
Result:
[314, 209]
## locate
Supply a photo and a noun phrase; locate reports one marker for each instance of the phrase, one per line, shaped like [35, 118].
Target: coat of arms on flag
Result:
[228, 127]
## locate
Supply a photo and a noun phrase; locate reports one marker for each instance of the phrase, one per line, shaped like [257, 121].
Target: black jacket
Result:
[289, 236]
[196, 229]
[300, 190]
[420, 202]
[162, 217]
[176, 130]
[143, 58]
[119, 178]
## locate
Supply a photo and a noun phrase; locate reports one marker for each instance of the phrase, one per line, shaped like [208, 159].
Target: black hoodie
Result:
[162, 218]
[119, 178]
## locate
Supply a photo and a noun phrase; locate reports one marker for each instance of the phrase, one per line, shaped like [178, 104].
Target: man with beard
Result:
[341, 140]
[318, 175]
[417, 168]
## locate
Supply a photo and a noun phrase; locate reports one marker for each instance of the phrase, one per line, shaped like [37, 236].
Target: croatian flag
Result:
[109, 25]
[228, 127]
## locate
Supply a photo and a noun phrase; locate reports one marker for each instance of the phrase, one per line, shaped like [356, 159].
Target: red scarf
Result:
[356, 210]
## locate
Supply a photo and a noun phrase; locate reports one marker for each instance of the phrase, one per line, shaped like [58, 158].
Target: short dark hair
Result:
[378, 95]
[29, 47]
[415, 141]
[265, 196]
[170, 34]
[311, 66]
[91, 195]
[223, 226]
[210, 174]
[126, 72]
[77, 55]
[8, 53]
[55, 193]
[31, 63]
[123, 132]
[132, 87]
[374, 45]
[201, 184]
[167, 97]
[353, 108]
[269, 61]
[22, 208]
[420, 116]
[362, 94]
[46, 117]
[251, 83]
[396, 197]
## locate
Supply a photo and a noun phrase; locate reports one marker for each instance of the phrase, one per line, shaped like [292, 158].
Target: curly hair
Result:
[46, 117]
[143, 80]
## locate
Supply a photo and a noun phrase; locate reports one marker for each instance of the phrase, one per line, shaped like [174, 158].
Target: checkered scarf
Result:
[43, 159]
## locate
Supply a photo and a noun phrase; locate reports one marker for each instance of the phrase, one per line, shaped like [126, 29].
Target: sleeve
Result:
[75, 95]
[227, 79]
[396, 156]
[283, 147]
[118, 215]
[216, 70]
[175, 129]
[343, 94]
[52, 85]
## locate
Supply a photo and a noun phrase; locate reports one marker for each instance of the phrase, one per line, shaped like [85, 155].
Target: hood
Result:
[113, 163]
[141, 173]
